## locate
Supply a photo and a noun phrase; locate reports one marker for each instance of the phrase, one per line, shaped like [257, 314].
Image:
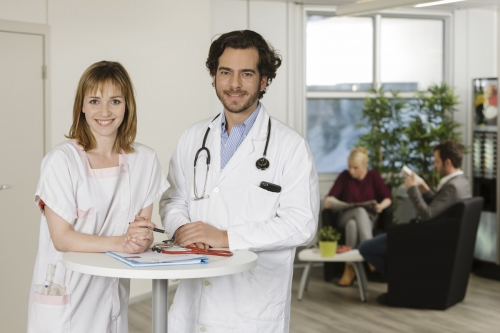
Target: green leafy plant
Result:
[329, 234]
[405, 132]
[383, 113]
[431, 123]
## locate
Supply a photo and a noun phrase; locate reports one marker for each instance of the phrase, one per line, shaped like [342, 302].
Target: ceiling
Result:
[485, 4]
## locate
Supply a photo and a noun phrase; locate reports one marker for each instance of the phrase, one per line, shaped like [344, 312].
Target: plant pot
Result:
[328, 249]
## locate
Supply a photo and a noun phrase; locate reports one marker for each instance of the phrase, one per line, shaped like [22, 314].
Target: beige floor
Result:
[328, 308]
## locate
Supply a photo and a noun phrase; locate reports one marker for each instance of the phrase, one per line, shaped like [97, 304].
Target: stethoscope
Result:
[261, 164]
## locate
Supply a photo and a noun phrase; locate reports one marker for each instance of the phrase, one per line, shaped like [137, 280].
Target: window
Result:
[346, 57]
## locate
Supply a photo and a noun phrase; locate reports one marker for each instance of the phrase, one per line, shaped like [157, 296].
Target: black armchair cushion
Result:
[428, 263]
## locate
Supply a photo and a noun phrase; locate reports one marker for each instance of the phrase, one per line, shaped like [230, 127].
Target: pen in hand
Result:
[155, 229]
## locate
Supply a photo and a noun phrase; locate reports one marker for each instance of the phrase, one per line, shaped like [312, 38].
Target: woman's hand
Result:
[379, 208]
[138, 237]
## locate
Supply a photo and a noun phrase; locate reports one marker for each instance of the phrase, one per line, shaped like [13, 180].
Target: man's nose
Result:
[235, 82]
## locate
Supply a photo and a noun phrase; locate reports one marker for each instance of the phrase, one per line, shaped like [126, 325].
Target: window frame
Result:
[446, 17]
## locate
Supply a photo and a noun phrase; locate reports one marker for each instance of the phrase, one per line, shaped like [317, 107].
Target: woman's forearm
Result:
[66, 239]
[385, 203]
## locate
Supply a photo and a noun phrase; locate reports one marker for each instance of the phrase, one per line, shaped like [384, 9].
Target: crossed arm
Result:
[137, 238]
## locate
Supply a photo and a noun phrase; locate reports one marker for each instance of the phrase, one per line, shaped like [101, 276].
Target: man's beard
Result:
[235, 108]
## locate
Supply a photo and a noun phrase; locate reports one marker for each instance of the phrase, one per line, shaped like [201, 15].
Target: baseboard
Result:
[486, 269]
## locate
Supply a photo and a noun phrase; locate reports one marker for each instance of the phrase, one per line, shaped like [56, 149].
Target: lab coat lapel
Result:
[247, 147]
[215, 149]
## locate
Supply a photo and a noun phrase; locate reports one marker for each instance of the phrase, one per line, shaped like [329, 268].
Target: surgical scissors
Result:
[196, 250]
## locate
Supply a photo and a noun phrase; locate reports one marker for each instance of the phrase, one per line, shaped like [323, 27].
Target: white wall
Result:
[270, 20]
[32, 11]
[475, 49]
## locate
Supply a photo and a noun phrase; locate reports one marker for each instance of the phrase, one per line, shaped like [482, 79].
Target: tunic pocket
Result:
[261, 295]
[260, 204]
[52, 313]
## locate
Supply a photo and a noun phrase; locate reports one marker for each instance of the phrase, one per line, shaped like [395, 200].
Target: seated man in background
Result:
[452, 188]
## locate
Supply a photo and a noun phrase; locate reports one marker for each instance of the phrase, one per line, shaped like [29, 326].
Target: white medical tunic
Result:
[98, 202]
[269, 223]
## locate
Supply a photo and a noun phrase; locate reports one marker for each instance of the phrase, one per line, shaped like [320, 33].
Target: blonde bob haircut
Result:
[359, 155]
[98, 77]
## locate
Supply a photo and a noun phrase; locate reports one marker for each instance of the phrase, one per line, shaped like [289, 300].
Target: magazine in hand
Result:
[152, 258]
[336, 204]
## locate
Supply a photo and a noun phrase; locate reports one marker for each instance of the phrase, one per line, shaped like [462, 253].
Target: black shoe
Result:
[382, 299]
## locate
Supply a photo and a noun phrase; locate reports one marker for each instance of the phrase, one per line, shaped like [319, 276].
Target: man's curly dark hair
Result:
[269, 59]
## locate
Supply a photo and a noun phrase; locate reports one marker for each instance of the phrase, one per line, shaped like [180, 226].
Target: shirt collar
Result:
[444, 180]
[248, 123]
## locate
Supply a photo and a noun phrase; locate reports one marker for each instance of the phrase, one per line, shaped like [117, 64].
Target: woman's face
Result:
[356, 170]
[104, 111]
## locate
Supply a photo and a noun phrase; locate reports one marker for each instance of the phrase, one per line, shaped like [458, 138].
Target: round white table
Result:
[104, 265]
[352, 257]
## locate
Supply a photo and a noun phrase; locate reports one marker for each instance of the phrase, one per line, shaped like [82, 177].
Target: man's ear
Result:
[263, 83]
[447, 163]
[213, 81]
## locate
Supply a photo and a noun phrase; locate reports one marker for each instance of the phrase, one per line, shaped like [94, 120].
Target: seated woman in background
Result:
[357, 184]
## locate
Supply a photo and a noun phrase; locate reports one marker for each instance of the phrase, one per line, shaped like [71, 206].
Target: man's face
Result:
[439, 165]
[237, 80]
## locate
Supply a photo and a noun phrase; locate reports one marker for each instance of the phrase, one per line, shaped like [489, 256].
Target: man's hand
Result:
[379, 208]
[411, 180]
[201, 234]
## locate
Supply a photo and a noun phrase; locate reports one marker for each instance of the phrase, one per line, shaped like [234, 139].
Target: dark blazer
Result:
[430, 204]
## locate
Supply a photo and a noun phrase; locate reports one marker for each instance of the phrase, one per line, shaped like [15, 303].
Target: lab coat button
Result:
[115, 280]
[202, 329]
[113, 318]
[207, 283]
[125, 168]
[216, 189]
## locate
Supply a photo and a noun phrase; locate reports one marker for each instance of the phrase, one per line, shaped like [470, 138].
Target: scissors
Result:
[196, 250]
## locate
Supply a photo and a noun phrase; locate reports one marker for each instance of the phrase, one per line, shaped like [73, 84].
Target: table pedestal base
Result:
[160, 306]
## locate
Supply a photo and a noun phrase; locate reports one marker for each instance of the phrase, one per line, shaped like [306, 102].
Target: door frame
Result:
[44, 31]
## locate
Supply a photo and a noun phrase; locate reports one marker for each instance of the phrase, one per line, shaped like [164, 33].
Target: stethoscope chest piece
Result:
[262, 163]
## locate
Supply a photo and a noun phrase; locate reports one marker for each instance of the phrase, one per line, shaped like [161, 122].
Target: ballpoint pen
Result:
[158, 230]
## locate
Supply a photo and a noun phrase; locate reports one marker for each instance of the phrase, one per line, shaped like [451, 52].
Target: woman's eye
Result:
[93, 101]
[116, 101]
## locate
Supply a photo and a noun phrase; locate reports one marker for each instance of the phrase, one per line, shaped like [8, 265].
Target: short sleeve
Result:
[55, 187]
[157, 183]
[381, 187]
[336, 190]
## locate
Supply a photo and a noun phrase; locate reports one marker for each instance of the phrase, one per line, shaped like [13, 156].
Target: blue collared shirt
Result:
[229, 143]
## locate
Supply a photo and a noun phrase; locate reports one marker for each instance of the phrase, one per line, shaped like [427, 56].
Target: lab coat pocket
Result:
[85, 221]
[261, 295]
[52, 313]
[260, 204]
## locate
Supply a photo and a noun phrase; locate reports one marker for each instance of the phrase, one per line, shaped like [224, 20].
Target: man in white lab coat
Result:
[259, 194]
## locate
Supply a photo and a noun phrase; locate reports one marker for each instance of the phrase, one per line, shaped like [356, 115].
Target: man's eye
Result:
[247, 74]
[224, 73]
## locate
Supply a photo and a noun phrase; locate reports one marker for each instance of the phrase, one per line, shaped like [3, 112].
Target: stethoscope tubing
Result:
[261, 164]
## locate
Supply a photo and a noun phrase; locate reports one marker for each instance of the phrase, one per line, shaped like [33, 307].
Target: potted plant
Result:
[328, 238]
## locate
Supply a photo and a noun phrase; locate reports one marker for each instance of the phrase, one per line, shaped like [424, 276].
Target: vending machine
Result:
[485, 173]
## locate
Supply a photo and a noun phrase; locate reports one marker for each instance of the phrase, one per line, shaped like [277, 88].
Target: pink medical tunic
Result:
[97, 202]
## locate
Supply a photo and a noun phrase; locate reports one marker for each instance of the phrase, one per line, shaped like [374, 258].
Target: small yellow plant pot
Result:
[328, 249]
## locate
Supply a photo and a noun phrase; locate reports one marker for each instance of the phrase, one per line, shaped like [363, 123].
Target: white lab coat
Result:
[99, 202]
[271, 224]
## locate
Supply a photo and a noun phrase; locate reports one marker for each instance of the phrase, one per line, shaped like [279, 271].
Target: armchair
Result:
[429, 263]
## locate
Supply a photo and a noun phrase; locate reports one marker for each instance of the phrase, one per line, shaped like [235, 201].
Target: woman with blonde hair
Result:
[356, 185]
[96, 194]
